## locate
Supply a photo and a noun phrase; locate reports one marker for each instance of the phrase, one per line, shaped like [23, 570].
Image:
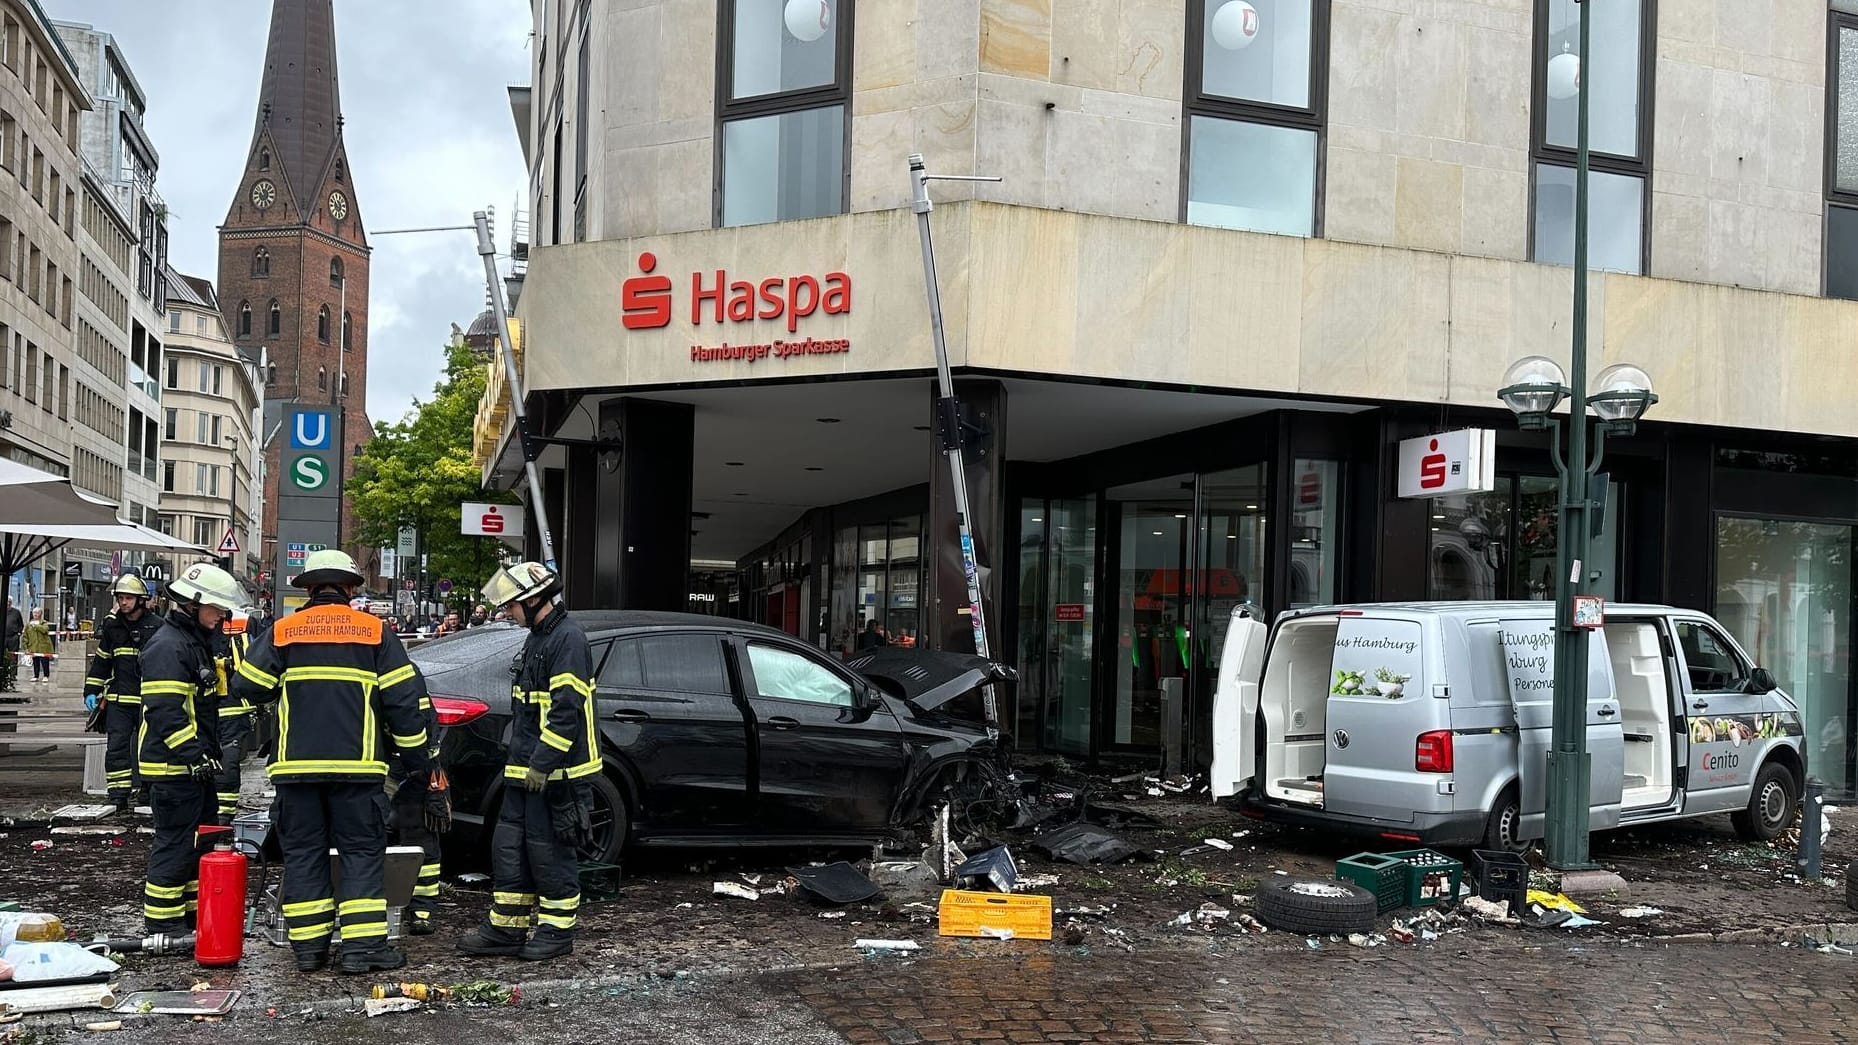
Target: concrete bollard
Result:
[1812, 812]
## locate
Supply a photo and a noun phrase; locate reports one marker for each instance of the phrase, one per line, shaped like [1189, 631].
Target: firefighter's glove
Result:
[534, 780]
[437, 811]
[91, 700]
[207, 768]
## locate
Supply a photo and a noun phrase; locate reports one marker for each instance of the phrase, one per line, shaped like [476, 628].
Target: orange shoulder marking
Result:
[232, 626]
[327, 624]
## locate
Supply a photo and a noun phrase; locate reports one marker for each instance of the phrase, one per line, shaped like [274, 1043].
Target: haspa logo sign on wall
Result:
[649, 302]
[1450, 462]
[490, 520]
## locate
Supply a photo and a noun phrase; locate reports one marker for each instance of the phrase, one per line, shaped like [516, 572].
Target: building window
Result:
[322, 378]
[199, 478]
[174, 373]
[1842, 160]
[341, 171]
[245, 319]
[172, 419]
[200, 428]
[219, 380]
[1255, 114]
[335, 272]
[344, 383]
[270, 374]
[264, 159]
[174, 322]
[167, 476]
[206, 376]
[261, 262]
[322, 324]
[276, 324]
[781, 139]
[1619, 138]
[347, 331]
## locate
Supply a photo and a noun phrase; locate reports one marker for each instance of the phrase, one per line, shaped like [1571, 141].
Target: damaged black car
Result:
[724, 733]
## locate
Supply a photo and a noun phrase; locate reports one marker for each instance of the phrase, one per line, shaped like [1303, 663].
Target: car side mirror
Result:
[1761, 680]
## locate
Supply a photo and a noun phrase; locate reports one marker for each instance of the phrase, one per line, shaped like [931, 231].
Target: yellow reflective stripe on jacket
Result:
[167, 689]
[302, 767]
[235, 710]
[325, 673]
[123, 698]
[251, 673]
[573, 682]
[587, 768]
[125, 651]
[183, 734]
[416, 740]
[397, 676]
[555, 740]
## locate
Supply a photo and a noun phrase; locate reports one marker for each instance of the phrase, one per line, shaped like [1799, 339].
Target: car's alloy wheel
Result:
[610, 821]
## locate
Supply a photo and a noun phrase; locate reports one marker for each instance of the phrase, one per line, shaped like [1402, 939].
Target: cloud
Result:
[429, 133]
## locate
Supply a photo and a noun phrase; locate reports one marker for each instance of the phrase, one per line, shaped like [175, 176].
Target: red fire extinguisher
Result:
[220, 934]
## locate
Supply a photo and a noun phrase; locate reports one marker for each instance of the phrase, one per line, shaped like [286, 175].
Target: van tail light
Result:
[456, 711]
[1433, 752]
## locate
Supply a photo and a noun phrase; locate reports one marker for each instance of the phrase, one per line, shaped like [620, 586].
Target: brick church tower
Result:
[293, 261]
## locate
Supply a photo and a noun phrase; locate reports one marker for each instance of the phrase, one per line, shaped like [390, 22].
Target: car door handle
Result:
[1606, 712]
[629, 715]
[1701, 705]
[782, 722]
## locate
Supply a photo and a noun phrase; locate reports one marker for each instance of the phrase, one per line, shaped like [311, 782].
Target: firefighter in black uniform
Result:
[113, 683]
[235, 713]
[179, 739]
[346, 694]
[553, 750]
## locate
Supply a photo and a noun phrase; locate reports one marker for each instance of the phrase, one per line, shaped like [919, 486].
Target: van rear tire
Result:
[1315, 907]
[1771, 805]
[1501, 831]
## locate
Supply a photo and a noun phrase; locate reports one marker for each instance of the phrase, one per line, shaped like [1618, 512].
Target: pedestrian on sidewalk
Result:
[553, 750]
[178, 759]
[113, 682]
[39, 646]
[344, 688]
[15, 631]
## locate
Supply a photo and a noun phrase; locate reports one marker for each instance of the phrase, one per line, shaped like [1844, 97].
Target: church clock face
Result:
[264, 194]
[338, 206]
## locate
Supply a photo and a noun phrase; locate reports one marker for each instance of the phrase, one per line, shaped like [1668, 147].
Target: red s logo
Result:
[646, 299]
[492, 522]
[1432, 468]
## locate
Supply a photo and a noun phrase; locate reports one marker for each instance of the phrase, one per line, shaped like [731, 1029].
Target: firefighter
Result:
[178, 755]
[553, 750]
[114, 682]
[235, 713]
[346, 692]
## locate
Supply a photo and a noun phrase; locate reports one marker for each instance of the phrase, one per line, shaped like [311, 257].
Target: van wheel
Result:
[1770, 806]
[1502, 832]
[1314, 907]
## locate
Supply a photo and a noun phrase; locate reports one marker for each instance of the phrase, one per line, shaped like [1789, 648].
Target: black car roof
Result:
[607, 621]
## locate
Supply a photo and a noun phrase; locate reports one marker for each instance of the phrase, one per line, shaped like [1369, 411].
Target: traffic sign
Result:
[229, 544]
[309, 473]
[74, 568]
[445, 585]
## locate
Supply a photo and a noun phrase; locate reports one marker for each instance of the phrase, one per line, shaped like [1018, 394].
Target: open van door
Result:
[1235, 705]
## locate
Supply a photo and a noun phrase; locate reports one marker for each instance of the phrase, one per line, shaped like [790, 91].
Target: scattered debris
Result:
[905, 877]
[94, 830]
[1488, 910]
[1640, 912]
[735, 889]
[1833, 948]
[1314, 943]
[882, 946]
[1083, 912]
[487, 992]
[41, 845]
[180, 1003]
[836, 883]
[473, 878]
[104, 1026]
[1219, 843]
[994, 867]
[1366, 940]
[382, 1006]
[1084, 843]
[996, 934]
[1250, 924]
[829, 915]
[83, 812]
[1029, 882]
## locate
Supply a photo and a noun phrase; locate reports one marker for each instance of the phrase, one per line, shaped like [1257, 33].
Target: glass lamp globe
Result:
[1622, 392]
[1533, 386]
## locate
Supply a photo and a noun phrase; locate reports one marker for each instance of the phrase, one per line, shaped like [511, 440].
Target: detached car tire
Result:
[1315, 907]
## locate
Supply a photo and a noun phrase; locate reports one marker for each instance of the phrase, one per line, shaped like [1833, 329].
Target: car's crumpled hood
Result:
[928, 679]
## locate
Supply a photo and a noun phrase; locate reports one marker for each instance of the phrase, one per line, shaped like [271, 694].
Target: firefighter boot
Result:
[546, 946]
[485, 943]
[355, 962]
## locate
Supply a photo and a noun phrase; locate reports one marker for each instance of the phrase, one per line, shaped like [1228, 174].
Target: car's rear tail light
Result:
[1433, 752]
[456, 711]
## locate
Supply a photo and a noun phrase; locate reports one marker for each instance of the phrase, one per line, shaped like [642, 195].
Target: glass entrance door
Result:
[1153, 605]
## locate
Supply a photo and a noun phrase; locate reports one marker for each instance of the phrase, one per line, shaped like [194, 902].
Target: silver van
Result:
[1429, 722]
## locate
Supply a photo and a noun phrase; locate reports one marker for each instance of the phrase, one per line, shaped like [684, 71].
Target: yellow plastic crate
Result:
[967, 913]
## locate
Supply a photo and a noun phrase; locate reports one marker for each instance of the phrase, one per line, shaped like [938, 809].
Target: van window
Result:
[1713, 665]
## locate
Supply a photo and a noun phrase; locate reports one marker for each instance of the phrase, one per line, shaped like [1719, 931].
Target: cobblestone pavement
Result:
[1643, 996]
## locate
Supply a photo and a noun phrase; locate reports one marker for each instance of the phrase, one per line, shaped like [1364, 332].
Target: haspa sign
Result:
[1450, 462]
[649, 301]
[490, 520]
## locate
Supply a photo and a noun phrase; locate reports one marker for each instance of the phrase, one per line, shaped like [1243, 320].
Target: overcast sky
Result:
[429, 133]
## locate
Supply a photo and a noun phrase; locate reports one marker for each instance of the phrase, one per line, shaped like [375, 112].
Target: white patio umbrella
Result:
[41, 513]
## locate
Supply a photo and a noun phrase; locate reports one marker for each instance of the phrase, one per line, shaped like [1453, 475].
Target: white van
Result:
[1429, 722]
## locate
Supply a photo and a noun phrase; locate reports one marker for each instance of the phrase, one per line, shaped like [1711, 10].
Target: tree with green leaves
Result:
[417, 471]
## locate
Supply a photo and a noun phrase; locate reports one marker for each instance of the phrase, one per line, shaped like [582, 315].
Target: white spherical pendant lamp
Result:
[808, 20]
[1564, 76]
[1235, 25]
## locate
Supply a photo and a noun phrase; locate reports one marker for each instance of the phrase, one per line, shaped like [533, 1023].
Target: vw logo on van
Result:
[1341, 738]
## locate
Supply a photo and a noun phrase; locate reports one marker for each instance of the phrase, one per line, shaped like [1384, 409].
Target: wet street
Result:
[1639, 994]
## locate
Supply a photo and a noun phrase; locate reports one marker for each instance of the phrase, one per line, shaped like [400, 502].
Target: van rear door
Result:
[1235, 706]
[1380, 707]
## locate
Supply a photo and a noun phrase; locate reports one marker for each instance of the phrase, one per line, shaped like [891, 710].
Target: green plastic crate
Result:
[1384, 876]
[1430, 877]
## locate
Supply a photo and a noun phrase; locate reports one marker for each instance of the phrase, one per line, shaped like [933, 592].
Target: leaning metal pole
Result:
[948, 412]
[488, 251]
[1569, 762]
